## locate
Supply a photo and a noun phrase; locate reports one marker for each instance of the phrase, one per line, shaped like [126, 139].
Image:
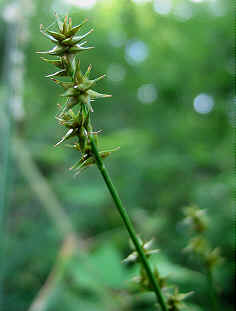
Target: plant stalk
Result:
[128, 224]
[212, 290]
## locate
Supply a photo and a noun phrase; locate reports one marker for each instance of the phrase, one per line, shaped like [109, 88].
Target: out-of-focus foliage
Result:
[171, 113]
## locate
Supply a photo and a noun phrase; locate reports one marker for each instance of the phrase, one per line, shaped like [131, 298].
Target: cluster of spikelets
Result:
[174, 299]
[198, 245]
[76, 117]
[76, 113]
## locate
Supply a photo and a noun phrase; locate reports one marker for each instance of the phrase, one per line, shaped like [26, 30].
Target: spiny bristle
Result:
[100, 78]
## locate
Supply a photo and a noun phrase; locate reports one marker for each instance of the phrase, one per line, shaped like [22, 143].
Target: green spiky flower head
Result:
[78, 92]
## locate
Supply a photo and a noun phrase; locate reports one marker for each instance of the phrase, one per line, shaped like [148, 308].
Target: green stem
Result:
[212, 290]
[128, 224]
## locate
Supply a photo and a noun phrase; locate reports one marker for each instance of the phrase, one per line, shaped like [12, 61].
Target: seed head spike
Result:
[78, 91]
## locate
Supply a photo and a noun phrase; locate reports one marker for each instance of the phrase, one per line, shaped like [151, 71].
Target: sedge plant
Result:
[76, 117]
[200, 247]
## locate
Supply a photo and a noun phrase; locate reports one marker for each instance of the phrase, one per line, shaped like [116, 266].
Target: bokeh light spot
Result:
[136, 52]
[116, 72]
[141, 1]
[183, 11]
[147, 93]
[116, 39]
[217, 8]
[163, 6]
[84, 4]
[11, 13]
[203, 103]
[197, 1]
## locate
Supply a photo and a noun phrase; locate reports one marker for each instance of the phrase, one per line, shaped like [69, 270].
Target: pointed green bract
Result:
[70, 92]
[75, 29]
[77, 75]
[75, 40]
[56, 62]
[70, 24]
[95, 95]
[71, 102]
[78, 48]
[55, 51]
[65, 85]
[56, 35]
[64, 26]
[47, 35]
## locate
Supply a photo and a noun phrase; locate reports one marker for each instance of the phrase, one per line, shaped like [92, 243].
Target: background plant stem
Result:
[212, 290]
[128, 224]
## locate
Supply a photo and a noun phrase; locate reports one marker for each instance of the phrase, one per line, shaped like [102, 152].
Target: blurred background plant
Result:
[169, 67]
[202, 251]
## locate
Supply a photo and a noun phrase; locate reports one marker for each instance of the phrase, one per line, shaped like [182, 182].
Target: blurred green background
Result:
[169, 67]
